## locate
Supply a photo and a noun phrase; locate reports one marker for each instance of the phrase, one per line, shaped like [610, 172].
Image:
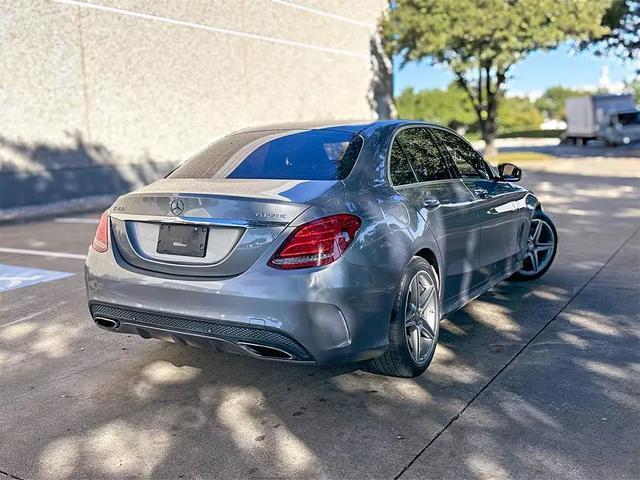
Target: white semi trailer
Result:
[613, 119]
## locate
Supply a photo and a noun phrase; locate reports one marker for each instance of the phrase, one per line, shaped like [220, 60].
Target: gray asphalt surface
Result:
[532, 380]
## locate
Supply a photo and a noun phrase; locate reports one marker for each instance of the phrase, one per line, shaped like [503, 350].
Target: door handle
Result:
[481, 192]
[430, 203]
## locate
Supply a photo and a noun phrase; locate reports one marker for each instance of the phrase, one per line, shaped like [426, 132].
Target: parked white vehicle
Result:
[613, 119]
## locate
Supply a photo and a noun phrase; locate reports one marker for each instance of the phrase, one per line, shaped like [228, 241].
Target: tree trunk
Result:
[490, 125]
[381, 88]
[484, 98]
[490, 149]
[488, 128]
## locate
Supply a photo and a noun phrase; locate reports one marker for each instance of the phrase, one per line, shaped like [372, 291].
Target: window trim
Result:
[424, 126]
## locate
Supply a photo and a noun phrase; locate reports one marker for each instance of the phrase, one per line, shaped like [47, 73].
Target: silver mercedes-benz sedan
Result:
[322, 244]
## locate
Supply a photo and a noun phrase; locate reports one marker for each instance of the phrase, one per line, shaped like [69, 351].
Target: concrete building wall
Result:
[101, 96]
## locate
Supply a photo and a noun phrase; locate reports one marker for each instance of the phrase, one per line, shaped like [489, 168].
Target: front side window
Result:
[470, 163]
[629, 118]
[425, 157]
[307, 155]
[399, 168]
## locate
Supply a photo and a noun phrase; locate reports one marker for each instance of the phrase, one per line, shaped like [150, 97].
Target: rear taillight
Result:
[316, 243]
[101, 240]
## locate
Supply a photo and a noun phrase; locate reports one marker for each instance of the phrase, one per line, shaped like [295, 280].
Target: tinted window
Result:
[309, 155]
[630, 118]
[399, 168]
[424, 155]
[467, 160]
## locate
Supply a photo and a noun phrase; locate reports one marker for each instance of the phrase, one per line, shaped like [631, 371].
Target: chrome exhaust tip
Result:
[265, 351]
[106, 323]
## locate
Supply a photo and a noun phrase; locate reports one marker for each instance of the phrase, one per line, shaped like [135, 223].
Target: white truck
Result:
[613, 119]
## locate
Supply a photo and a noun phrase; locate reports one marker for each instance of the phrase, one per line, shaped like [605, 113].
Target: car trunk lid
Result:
[234, 221]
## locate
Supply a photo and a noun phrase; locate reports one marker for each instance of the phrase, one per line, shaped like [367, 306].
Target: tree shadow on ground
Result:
[171, 410]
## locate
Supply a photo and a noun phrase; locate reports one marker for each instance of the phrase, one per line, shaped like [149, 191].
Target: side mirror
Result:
[509, 172]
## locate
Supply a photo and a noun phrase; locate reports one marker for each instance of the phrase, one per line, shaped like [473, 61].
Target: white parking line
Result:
[199, 26]
[33, 315]
[92, 221]
[42, 253]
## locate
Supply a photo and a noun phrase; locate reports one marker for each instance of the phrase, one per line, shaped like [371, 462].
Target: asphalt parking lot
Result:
[532, 380]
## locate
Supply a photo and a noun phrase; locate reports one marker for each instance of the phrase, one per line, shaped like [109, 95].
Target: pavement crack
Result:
[518, 353]
[2, 472]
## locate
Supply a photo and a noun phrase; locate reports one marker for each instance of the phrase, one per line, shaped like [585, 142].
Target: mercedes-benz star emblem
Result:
[177, 206]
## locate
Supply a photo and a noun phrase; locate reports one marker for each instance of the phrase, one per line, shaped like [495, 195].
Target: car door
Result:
[500, 207]
[421, 173]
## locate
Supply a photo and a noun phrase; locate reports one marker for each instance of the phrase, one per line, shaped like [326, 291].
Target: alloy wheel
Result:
[540, 247]
[421, 317]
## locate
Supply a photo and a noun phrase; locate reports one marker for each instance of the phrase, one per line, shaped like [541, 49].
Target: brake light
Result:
[101, 240]
[316, 243]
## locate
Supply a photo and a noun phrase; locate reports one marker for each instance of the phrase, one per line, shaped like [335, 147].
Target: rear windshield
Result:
[306, 155]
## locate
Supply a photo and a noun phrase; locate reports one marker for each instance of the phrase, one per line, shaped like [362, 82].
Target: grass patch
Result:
[515, 157]
[472, 136]
[532, 134]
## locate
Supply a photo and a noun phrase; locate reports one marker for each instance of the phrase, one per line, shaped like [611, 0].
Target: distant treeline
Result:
[452, 107]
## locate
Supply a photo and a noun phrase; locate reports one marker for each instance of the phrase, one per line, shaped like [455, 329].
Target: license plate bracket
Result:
[185, 240]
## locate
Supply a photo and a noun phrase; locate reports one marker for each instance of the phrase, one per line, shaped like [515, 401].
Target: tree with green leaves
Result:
[453, 108]
[552, 101]
[449, 107]
[481, 40]
[518, 113]
[622, 19]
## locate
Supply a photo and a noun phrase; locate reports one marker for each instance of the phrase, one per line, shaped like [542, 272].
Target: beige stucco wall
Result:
[146, 82]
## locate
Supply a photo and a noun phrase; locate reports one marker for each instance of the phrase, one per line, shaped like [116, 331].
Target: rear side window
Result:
[308, 155]
[425, 157]
[469, 162]
[399, 168]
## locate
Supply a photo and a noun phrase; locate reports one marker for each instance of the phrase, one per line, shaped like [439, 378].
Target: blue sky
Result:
[535, 73]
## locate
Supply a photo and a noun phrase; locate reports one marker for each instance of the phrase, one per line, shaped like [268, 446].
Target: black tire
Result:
[397, 360]
[540, 215]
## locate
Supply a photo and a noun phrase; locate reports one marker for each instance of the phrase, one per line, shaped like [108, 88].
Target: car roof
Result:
[353, 126]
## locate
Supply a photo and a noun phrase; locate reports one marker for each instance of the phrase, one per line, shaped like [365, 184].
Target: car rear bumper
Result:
[333, 315]
[223, 336]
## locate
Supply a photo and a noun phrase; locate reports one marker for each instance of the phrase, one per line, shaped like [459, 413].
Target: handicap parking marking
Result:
[12, 277]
